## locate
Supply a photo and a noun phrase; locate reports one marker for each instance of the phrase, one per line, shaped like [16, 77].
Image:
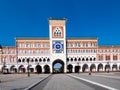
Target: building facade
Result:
[74, 54]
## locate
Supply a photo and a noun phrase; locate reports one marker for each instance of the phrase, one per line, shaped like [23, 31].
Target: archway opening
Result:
[85, 68]
[13, 69]
[77, 69]
[93, 68]
[69, 67]
[39, 69]
[30, 68]
[46, 69]
[114, 67]
[58, 66]
[107, 68]
[100, 67]
[22, 69]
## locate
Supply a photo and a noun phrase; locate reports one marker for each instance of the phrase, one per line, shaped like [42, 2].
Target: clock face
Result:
[58, 46]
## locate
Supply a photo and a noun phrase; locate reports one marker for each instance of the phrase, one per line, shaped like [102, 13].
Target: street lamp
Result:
[28, 59]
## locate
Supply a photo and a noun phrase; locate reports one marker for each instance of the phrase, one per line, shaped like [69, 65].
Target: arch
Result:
[40, 60]
[44, 60]
[77, 69]
[83, 59]
[48, 60]
[13, 69]
[22, 69]
[85, 68]
[5, 69]
[19, 60]
[36, 60]
[23, 60]
[100, 67]
[38, 69]
[86, 59]
[67, 59]
[79, 59]
[114, 67]
[92, 68]
[71, 59]
[75, 59]
[69, 67]
[32, 60]
[46, 69]
[107, 67]
[94, 59]
[90, 59]
[31, 69]
[60, 69]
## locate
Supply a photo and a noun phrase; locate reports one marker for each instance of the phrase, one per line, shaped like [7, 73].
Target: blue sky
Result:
[85, 18]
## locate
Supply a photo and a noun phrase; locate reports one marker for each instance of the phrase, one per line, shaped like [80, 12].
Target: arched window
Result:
[57, 32]
[40, 60]
[67, 59]
[75, 59]
[48, 60]
[79, 59]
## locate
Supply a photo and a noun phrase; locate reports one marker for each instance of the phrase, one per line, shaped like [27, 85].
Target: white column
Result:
[73, 69]
[103, 67]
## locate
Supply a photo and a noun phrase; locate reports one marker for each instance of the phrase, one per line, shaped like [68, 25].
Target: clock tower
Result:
[57, 32]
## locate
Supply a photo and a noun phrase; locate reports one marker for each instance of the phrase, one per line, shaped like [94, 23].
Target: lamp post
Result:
[28, 59]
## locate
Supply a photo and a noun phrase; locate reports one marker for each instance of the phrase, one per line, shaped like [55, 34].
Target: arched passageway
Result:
[107, 68]
[13, 69]
[38, 69]
[5, 69]
[85, 68]
[93, 68]
[22, 69]
[100, 67]
[58, 66]
[31, 69]
[114, 67]
[69, 67]
[46, 69]
[77, 69]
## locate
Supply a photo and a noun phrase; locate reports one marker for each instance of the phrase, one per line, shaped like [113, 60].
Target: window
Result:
[6, 52]
[75, 59]
[101, 57]
[114, 57]
[37, 45]
[57, 32]
[107, 57]
[29, 51]
[44, 60]
[45, 45]
[77, 44]
[46, 51]
[20, 52]
[29, 45]
[48, 60]
[77, 51]
[70, 45]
